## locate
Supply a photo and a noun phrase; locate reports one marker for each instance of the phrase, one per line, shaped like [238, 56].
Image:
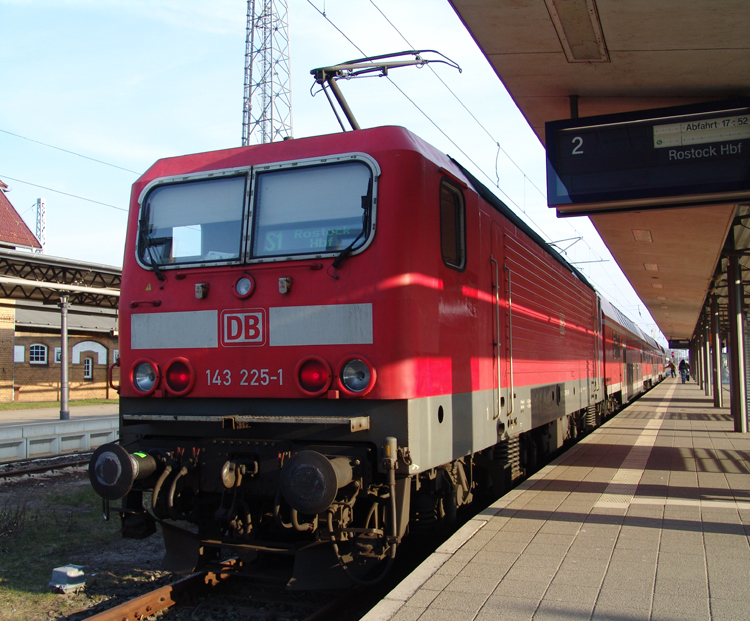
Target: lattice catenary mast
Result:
[41, 223]
[267, 104]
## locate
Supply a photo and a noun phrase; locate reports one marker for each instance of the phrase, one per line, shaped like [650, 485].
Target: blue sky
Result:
[130, 81]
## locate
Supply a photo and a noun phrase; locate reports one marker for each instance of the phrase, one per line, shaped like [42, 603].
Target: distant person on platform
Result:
[672, 369]
[684, 370]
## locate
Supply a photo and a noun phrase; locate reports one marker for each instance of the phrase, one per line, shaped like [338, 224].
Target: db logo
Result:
[243, 327]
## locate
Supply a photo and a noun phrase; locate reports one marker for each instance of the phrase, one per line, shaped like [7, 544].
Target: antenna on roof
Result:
[365, 67]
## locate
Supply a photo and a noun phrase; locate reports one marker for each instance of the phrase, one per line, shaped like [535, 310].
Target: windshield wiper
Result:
[366, 204]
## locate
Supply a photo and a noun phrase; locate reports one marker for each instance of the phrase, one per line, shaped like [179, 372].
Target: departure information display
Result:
[689, 155]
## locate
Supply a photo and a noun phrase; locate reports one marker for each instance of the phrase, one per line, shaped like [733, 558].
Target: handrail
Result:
[496, 333]
[110, 379]
[137, 303]
[510, 339]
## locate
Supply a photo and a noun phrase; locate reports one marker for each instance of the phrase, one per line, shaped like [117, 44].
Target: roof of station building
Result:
[14, 232]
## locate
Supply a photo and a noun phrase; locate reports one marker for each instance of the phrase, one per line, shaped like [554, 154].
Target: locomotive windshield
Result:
[193, 222]
[301, 211]
[297, 211]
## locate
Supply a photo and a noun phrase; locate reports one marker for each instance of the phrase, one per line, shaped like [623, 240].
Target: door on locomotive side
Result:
[596, 392]
[501, 329]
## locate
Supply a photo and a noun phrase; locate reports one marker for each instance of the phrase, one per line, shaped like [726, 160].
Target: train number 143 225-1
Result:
[247, 377]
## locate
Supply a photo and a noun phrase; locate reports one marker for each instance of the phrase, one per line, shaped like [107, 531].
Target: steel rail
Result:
[167, 596]
[60, 465]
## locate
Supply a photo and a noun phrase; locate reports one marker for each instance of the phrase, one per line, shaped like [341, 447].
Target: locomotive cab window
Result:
[452, 226]
[312, 210]
[194, 222]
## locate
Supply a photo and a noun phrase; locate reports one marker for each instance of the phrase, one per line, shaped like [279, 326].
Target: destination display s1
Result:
[688, 155]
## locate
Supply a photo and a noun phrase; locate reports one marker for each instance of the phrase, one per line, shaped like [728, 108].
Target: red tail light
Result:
[180, 377]
[313, 376]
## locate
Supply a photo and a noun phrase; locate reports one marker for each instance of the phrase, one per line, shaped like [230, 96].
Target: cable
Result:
[479, 168]
[359, 49]
[86, 157]
[64, 193]
[463, 105]
[486, 131]
[496, 184]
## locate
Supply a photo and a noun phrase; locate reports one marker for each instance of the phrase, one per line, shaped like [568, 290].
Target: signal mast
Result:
[267, 109]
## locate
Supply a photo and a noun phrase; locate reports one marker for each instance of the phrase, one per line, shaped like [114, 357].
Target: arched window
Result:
[38, 354]
[86, 346]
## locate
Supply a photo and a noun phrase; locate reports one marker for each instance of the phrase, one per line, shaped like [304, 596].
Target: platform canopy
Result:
[32, 276]
[561, 59]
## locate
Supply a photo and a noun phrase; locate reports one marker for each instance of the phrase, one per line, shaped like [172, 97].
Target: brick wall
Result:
[41, 381]
[7, 330]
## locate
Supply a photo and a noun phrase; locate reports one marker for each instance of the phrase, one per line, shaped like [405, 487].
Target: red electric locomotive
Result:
[328, 341]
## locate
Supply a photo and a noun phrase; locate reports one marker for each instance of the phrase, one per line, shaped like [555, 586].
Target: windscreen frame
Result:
[248, 221]
[308, 163]
[244, 172]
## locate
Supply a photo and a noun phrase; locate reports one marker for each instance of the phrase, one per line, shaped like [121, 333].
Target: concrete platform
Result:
[646, 518]
[39, 432]
[38, 415]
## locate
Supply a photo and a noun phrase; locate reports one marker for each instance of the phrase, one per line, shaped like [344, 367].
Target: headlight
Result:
[356, 376]
[145, 376]
[244, 287]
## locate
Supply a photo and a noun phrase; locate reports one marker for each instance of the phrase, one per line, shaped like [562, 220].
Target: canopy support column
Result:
[736, 351]
[707, 355]
[716, 342]
[64, 410]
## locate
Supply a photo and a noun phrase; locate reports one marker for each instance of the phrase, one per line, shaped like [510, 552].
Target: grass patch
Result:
[40, 531]
[54, 533]
[54, 404]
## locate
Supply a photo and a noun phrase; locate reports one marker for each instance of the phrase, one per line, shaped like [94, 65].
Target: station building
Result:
[30, 329]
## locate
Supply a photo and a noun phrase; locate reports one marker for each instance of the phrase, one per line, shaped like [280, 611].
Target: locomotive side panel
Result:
[550, 335]
[446, 345]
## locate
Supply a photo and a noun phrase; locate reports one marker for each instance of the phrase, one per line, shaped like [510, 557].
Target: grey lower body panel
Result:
[436, 430]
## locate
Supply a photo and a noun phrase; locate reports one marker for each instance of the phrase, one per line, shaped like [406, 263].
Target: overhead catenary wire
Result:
[86, 157]
[465, 107]
[526, 177]
[485, 130]
[466, 155]
[479, 168]
[83, 198]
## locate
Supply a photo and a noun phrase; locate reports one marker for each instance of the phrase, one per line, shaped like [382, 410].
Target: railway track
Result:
[228, 592]
[23, 467]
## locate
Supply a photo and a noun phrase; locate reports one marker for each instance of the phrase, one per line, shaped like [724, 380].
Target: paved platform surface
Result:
[646, 518]
[39, 415]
